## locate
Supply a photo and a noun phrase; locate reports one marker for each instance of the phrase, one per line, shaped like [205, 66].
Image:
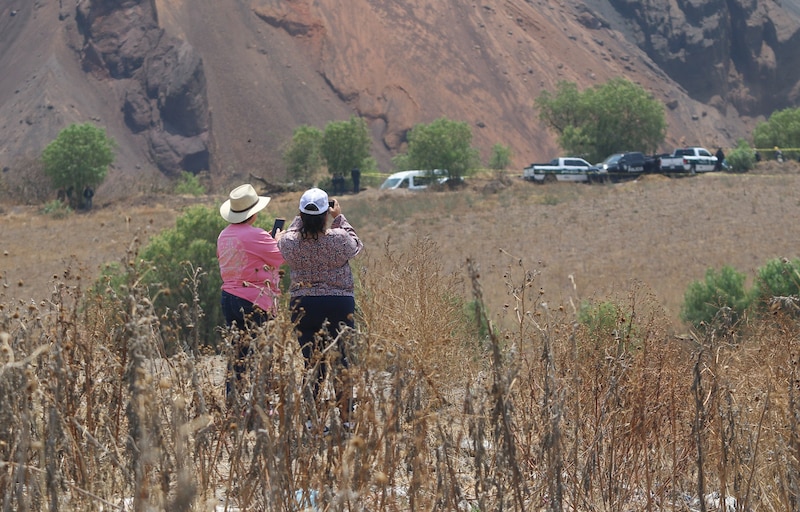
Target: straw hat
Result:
[242, 204]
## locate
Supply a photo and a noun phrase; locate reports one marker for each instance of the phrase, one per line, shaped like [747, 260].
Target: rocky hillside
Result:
[221, 84]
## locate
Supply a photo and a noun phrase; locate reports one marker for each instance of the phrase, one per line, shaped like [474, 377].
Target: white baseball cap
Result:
[314, 201]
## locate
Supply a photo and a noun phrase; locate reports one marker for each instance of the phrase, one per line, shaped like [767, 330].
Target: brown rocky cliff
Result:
[179, 83]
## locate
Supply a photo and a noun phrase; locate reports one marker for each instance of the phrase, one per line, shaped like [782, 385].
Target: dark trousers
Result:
[310, 315]
[241, 313]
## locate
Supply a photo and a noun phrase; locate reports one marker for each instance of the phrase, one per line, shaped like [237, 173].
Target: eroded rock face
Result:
[742, 50]
[162, 78]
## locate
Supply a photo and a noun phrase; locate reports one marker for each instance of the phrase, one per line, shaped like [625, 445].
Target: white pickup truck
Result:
[562, 169]
[691, 160]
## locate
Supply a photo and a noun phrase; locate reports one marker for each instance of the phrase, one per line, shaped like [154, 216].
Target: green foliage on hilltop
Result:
[616, 116]
[78, 157]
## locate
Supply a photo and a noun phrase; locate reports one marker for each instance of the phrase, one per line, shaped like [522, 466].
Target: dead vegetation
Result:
[539, 413]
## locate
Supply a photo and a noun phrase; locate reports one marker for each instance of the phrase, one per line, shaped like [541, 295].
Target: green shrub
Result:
[189, 184]
[720, 300]
[180, 269]
[778, 278]
[500, 157]
[56, 209]
[742, 158]
[600, 318]
[607, 320]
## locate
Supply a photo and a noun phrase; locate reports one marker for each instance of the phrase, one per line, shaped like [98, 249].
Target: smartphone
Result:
[278, 224]
[331, 203]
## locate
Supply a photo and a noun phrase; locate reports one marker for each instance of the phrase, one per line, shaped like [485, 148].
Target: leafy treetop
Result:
[605, 119]
[78, 157]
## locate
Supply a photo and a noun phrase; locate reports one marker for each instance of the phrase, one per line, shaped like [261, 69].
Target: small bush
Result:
[181, 271]
[722, 291]
[189, 184]
[608, 320]
[742, 158]
[778, 278]
[56, 209]
[500, 158]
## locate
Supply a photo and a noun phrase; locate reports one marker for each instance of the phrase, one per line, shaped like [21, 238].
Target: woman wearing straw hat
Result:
[318, 247]
[249, 263]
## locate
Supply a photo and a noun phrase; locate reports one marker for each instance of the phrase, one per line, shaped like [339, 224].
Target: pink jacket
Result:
[249, 260]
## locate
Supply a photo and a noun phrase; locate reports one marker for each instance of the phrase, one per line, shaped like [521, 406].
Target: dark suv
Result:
[623, 166]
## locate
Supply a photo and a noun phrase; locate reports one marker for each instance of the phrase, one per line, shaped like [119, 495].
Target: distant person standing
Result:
[338, 184]
[778, 154]
[355, 174]
[720, 159]
[88, 194]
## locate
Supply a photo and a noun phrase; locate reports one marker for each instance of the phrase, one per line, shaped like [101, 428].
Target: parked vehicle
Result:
[413, 180]
[561, 169]
[622, 166]
[688, 160]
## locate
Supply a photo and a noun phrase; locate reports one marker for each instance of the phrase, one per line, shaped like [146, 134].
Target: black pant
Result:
[310, 315]
[241, 313]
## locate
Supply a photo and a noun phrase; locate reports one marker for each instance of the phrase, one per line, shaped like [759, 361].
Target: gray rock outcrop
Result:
[742, 50]
[161, 78]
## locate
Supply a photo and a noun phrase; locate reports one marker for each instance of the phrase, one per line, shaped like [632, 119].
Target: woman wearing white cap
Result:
[318, 246]
[249, 262]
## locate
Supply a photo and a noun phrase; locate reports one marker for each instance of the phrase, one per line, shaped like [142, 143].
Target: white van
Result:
[412, 180]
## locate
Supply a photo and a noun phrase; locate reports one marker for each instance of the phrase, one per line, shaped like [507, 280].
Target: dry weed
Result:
[542, 413]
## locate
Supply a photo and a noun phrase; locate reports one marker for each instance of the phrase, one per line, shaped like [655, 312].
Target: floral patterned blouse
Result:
[321, 267]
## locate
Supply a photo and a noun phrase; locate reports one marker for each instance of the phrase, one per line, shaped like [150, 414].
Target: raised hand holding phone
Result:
[278, 224]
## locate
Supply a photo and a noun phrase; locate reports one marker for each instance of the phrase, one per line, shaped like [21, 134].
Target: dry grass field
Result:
[584, 242]
[539, 413]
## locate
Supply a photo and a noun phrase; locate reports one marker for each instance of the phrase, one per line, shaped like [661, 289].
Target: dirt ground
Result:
[582, 241]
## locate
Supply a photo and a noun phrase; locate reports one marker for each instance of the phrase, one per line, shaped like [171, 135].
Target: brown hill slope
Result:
[268, 66]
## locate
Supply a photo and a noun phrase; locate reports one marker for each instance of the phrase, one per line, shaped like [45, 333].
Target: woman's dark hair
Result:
[313, 225]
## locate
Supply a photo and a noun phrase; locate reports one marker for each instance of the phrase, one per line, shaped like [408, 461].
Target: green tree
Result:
[782, 130]
[616, 116]
[719, 301]
[345, 145]
[742, 158]
[500, 157]
[303, 158]
[78, 157]
[442, 144]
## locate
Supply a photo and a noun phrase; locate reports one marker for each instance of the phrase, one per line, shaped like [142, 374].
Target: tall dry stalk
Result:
[526, 409]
